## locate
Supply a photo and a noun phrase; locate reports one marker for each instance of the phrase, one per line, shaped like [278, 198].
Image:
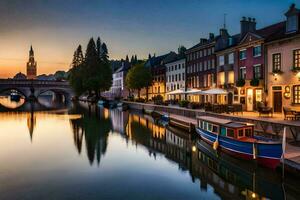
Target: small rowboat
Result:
[237, 139]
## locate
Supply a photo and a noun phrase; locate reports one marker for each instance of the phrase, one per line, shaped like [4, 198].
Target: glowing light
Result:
[253, 195]
[194, 148]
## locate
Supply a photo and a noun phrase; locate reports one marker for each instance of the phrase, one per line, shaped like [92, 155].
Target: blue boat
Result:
[237, 139]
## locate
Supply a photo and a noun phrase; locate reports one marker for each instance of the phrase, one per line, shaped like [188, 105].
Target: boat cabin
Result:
[225, 127]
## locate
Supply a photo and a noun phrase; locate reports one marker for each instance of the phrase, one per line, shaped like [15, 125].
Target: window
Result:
[179, 77]
[256, 71]
[215, 129]
[276, 60]
[248, 132]
[175, 67]
[243, 54]
[221, 60]
[242, 73]
[179, 66]
[241, 133]
[230, 133]
[296, 59]
[209, 128]
[296, 94]
[256, 51]
[183, 76]
[182, 65]
[231, 58]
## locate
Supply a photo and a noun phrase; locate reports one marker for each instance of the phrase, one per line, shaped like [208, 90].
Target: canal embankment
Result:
[182, 117]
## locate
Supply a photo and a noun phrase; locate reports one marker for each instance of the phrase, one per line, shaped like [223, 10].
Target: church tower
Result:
[31, 65]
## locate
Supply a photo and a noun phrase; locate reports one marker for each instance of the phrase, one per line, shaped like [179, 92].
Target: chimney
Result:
[247, 25]
[211, 36]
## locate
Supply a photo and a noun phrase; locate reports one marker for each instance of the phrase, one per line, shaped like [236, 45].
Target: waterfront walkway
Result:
[271, 125]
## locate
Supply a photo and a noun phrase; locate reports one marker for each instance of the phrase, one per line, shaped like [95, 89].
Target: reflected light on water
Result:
[6, 102]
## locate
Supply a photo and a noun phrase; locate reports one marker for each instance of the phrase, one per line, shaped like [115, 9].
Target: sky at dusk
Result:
[56, 27]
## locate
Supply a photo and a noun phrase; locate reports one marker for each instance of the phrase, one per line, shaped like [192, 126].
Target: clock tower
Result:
[31, 65]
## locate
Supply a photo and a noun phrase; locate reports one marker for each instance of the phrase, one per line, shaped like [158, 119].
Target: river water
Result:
[80, 151]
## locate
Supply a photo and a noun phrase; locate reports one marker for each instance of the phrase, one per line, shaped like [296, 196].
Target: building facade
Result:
[200, 68]
[158, 71]
[283, 64]
[118, 88]
[175, 78]
[31, 66]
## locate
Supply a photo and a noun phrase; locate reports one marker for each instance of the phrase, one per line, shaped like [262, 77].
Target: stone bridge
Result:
[35, 88]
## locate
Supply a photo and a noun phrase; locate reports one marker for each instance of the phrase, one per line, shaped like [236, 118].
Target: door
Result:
[249, 100]
[230, 98]
[277, 101]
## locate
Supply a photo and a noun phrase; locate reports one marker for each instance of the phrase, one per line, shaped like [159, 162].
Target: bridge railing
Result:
[33, 82]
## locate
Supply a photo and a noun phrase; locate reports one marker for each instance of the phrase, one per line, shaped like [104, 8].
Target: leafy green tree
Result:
[138, 77]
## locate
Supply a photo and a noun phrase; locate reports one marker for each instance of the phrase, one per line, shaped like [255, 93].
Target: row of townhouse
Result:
[255, 65]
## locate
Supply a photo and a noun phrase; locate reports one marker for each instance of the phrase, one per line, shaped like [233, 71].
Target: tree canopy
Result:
[138, 77]
[91, 73]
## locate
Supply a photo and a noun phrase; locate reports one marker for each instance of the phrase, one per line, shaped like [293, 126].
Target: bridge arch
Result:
[21, 91]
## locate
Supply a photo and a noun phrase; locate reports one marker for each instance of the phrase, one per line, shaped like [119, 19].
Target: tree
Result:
[135, 59]
[78, 57]
[127, 59]
[94, 73]
[98, 47]
[149, 56]
[132, 60]
[138, 77]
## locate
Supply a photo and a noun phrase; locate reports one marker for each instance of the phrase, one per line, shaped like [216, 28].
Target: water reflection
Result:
[93, 127]
[127, 154]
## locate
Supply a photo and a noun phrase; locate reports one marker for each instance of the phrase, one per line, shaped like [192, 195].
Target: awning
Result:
[181, 91]
[215, 91]
[174, 92]
[192, 91]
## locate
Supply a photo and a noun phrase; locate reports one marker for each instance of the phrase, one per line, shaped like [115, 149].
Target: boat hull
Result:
[268, 155]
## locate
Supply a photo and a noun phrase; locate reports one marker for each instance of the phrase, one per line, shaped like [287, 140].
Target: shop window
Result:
[223, 131]
[209, 128]
[296, 94]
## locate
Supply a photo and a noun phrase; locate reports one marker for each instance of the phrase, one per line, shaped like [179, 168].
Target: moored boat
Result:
[237, 139]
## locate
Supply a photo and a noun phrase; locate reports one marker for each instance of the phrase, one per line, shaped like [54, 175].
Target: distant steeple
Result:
[31, 65]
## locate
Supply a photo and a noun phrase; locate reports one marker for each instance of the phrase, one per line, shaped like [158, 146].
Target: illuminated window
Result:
[276, 60]
[296, 58]
[296, 94]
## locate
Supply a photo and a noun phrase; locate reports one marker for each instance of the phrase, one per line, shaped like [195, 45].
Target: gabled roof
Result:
[159, 60]
[208, 42]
